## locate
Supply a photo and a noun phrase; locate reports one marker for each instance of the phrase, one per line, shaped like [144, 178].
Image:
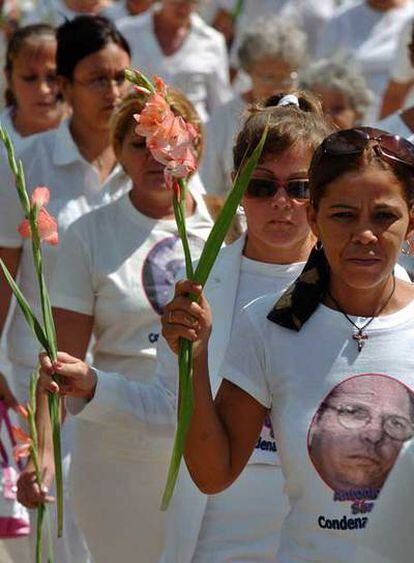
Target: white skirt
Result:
[244, 522]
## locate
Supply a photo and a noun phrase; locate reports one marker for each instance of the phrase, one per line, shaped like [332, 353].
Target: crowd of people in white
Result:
[292, 436]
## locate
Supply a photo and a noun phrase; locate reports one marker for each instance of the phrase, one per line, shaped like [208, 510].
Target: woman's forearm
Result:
[207, 452]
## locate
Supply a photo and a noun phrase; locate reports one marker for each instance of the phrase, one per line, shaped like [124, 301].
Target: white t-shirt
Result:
[260, 278]
[52, 160]
[54, 12]
[329, 405]
[117, 11]
[122, 267]
[401, 68]
[369, 36]
[199, 68]
[221, 130]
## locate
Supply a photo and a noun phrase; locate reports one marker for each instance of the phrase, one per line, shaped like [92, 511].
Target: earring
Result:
[407, 248]
[240, 209]
[318, 245]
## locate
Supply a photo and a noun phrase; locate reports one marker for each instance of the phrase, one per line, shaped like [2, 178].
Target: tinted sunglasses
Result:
[391, 148]
[267, 188]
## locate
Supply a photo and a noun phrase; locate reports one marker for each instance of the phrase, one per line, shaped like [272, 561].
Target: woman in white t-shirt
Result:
[32, 94]
[123, 260]
[271, 53]
[368, 31]
[172, 41]
[331, 358]
[77, 163]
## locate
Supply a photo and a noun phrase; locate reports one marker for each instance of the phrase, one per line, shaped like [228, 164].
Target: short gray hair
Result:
[273, 38]
[340, 75]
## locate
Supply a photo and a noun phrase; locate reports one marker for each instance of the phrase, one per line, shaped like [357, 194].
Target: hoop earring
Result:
[318, 245]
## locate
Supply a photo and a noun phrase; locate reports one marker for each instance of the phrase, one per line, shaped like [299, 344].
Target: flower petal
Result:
[19, 434]
[40, 196]
[47, 226]
[24, 229]
[21, 451]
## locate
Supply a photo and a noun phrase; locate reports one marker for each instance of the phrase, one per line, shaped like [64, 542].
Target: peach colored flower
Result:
[46, 225]
[19, 434]
[160, 86]
[156, 110]
[40, 196]
[21, 451]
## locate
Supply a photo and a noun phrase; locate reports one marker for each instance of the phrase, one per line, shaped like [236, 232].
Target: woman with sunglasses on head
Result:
[77, 162]
[245, 521]
[123, 260]
[331, 357]
[271, 254]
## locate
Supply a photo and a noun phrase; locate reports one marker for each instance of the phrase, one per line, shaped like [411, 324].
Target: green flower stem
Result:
[200, 275]
[46, 334]
[42, 510]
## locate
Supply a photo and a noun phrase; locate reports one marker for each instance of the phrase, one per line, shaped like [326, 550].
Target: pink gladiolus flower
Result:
[46, 224]
[47, 228]
[19, 434]
[160, 86]
[40, 196]
[21, 451]
[156, 110]
[141, 90]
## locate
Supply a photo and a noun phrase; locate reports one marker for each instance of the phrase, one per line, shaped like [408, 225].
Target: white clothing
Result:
[384, 541]
[401, 68]
[310, 16]
[241, 524]
[221, 130]
[52, 160]
[395, 125]
[369, 37]
[54, 12]
[199, 68]
[117, 11]
[309, 379]
[122, 266]
[229, 286]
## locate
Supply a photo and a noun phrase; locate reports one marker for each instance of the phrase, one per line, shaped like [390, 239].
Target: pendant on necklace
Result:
[360, 337]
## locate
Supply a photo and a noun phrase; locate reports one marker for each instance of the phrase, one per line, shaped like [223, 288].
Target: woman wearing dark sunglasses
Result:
[341, 335]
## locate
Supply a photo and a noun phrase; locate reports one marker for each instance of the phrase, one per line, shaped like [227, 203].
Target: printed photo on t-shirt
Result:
[161, 266]
[358, 431]
[354, 440]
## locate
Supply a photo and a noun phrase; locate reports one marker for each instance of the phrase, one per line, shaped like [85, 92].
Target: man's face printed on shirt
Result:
[358, 431]
[161, 267]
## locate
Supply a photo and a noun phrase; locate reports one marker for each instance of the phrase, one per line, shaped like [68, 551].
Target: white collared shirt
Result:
[199, 68]
[52, 160]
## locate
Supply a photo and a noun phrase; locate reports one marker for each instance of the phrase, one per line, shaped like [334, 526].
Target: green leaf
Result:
[205, 264]
[25, 308]
[54, 411]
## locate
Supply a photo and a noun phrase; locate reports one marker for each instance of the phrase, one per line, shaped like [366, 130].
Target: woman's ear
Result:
[65, 87]
[312, 215]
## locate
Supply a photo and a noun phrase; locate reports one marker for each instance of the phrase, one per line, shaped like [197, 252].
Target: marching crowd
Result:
[303, 368]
